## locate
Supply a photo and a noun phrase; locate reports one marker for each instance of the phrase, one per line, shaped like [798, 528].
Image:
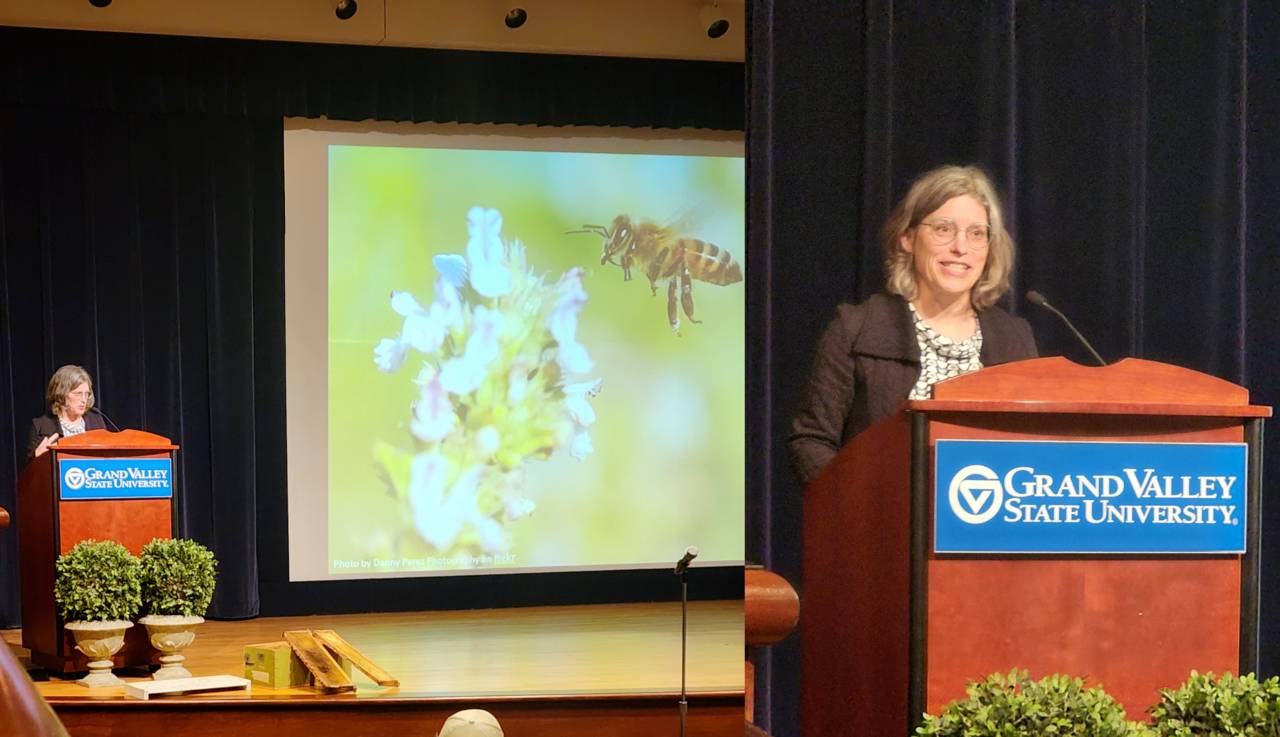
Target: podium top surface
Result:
[106, 440]
[1132, 386]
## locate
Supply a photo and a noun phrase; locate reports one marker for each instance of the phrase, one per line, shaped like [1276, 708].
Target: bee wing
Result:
[452, 266]
[689, 219]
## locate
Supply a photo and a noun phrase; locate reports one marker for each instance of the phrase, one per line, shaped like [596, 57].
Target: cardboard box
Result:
[273, 664]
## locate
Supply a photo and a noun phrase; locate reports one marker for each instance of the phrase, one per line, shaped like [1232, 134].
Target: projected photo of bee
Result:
[665, 252]
[500, 381]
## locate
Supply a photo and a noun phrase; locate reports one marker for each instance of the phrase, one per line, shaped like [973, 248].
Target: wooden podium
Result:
[892, 628]
[49, 525]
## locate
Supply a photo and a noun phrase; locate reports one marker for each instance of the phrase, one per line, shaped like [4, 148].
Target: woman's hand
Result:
[44, 445]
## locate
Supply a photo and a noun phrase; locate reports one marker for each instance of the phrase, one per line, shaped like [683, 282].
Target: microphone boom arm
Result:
[1036, 298]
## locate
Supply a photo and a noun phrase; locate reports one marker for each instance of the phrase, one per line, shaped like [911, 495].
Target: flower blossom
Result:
[489, 276]
[496, 390]
[563, 323]
[433, 415]
[462, 375]
[389, 355]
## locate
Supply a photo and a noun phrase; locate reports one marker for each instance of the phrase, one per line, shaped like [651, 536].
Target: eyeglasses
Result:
[945, 233]
[85, 395]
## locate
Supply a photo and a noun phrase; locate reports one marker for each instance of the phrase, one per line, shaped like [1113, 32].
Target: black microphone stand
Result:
[103, 415]
[684, 638]
[682, 570]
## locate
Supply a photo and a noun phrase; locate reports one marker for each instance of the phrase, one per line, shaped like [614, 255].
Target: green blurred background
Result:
[667, 471]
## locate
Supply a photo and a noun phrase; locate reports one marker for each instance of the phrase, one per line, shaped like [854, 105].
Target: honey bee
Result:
[664, 253]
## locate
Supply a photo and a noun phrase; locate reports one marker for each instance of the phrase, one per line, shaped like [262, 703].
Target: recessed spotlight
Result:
[516, 17]
[99, 3]
[344, 9]
[714, 22]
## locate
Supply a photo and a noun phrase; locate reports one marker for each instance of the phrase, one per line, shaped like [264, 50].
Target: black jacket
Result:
[46, 425]
[867, 361]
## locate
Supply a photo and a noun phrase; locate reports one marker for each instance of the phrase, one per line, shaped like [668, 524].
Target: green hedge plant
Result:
[178, 577]
[1222, 707]
[97, 581]
[1013, 705]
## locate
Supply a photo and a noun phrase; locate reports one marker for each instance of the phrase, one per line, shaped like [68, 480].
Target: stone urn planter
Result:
[99, 641]
[97, 591]
[178, 577]
[171, 634]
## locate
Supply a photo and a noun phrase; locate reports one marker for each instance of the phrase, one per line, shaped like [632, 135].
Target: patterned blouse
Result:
[74, 428]
[941, 357]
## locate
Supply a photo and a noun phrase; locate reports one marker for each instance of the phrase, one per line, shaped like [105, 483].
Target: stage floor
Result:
[548, 668]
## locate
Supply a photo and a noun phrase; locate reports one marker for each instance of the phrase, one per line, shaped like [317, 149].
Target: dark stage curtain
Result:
[1136, 145]
[163, 74]
[142, 235]
[131, 245]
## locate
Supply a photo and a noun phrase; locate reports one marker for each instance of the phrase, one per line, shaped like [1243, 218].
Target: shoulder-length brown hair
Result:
[928, 192]
[63, 382]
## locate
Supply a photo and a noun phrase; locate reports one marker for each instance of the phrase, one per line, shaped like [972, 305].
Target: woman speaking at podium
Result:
[947, 260]
[70, 397]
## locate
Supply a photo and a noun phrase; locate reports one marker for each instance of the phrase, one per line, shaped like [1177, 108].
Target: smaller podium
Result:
[97, 485]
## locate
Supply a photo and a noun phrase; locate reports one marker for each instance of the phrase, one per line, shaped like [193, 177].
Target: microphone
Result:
[1038, 300]
[682, 565]
[103, 415]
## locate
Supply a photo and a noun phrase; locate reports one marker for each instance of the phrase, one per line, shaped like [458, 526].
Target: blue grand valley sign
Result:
[993, 496]
[115, 478]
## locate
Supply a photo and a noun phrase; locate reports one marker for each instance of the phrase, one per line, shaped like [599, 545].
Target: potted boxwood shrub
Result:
[98, 594]
[1016, 706]
[178, 577]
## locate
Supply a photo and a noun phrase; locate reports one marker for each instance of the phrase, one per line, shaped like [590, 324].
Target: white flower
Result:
[441, 516]
[427, 475]
[452, 268]
[519, 507]
[492, 537]
[426, 374]
[581, 446]
[433, 415]
[448, 306]
[389, 355]
[489, 276]
[580, 410]
[423, 330]
[404, 304]
[582, 414]
[463, 375]
[517, 383]
[563, 323]
[588, 388]
[487, 440]
[490, 316]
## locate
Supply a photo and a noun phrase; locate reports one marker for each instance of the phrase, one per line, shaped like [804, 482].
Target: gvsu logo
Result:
[975, 494]
[74, 478]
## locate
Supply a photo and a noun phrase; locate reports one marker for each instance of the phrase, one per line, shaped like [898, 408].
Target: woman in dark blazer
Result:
[70, 397]
[948, 259]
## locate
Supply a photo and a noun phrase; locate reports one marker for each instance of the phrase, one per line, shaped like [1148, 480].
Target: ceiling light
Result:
[714, 22]
[516, 17]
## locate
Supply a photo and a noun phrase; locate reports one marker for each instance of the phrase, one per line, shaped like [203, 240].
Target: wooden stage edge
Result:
[565, 671]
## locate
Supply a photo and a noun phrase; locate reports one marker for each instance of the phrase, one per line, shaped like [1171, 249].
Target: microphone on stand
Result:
[1038, 300]
[109, 421]
[682, 565]
[682, 568]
